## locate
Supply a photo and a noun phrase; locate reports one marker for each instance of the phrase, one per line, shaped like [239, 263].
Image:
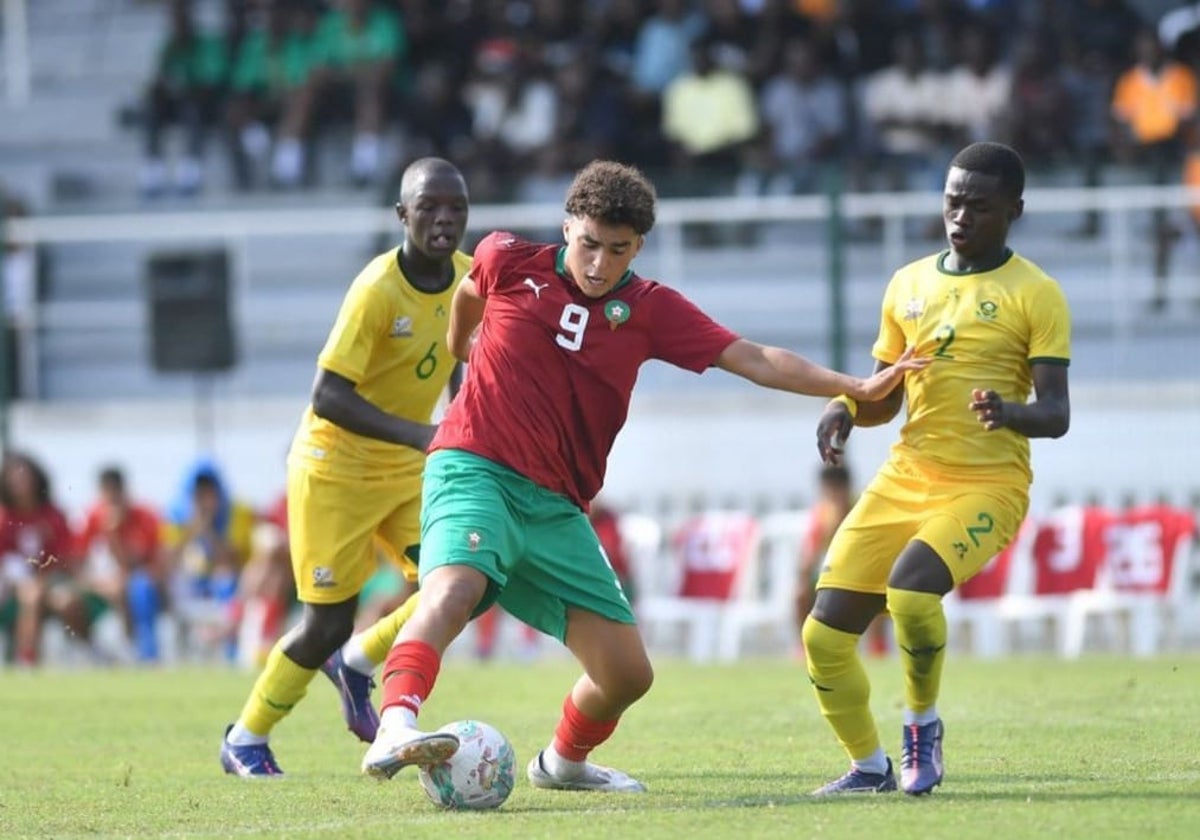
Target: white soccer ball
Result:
[477, 777]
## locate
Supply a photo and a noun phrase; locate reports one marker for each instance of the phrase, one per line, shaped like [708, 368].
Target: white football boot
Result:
[399, 747]
[593, 777]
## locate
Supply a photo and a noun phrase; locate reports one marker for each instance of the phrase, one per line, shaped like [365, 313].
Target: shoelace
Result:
[917, 750]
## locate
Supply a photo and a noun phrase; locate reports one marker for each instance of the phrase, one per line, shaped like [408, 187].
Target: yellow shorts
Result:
[966, 523]
[336, 526]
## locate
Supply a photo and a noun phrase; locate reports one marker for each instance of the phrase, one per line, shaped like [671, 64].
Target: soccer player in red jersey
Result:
[555, 335]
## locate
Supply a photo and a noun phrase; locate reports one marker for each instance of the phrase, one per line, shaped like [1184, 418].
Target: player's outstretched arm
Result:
[466, 311]
[774, 367]
[1049, 415]
[335, 399]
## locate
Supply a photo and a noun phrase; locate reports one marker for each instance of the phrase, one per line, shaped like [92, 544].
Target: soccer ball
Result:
[477, 777]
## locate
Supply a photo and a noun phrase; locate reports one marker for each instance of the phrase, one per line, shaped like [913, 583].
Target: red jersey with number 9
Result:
[552, 370]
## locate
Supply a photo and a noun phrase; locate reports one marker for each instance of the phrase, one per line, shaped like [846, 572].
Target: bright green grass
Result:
[1035, 748]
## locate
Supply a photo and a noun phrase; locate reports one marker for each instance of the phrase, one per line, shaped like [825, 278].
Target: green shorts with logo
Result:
[537, 548]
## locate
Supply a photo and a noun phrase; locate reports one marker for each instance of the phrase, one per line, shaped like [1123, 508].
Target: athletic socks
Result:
[280, 686]
[921, 639]
[574, 738]
[409, 674]
[842, 689]
[366, 650]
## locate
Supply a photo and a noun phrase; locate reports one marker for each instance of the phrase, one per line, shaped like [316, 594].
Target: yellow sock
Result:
[378, 639]
[280, 686]
[921, 636]
[843, 691]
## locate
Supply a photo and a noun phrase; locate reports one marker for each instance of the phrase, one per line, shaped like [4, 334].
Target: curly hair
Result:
[613, 193]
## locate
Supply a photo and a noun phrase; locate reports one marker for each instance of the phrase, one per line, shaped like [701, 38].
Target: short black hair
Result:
[112, 476]
[996, 159]
[422, 169]
[613, 193]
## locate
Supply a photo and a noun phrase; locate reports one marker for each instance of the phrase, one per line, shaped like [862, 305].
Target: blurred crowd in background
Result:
[203, 573]
[710, 97]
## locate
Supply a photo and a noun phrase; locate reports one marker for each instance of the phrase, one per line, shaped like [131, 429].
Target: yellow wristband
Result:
[850, 403]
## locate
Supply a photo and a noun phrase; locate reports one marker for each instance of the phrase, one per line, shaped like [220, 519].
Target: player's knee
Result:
[454, 597]
[636, 681]
[823, 645]
[325, 629]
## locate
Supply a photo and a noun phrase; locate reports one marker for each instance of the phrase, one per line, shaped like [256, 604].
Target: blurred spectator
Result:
[207, 541]
[976, 93]
[40, 571]
[777, 24]
[357, 48]
[1040, 99]
[709, 117]
[731, 34]
[513, 115]
[804, 112]
[1153, 105]
[1088, 79]
[593, 114]
[901, 105]
[1105, 27]
[265, 593]
[663, 44]
[436, 120]
[123, 568]
[270, 75]
[187, 89]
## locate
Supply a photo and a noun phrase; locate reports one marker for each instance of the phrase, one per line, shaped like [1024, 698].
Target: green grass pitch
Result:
[1035, 748]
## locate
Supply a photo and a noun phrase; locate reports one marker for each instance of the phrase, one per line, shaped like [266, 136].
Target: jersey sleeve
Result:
[889, 345]
[1049, 326]
[360, 322]
[489, 255]
[682, 335]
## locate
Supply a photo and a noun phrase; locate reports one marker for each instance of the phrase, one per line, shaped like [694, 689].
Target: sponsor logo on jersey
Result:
[402, 327]
[537, 290]
[323, 577]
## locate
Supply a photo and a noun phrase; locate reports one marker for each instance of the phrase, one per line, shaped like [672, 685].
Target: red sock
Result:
[409, 674]
[577, 734]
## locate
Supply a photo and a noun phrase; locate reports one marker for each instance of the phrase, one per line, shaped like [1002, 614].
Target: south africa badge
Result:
[617, 313]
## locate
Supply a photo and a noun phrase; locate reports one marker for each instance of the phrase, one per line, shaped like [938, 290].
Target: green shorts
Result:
[538, 549]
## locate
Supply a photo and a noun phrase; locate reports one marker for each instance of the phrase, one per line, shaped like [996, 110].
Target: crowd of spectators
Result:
[203, 573]
[709, 96]
[215, 569]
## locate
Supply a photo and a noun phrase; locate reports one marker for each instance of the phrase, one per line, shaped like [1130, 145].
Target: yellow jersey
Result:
[390, 340]
[984, 330]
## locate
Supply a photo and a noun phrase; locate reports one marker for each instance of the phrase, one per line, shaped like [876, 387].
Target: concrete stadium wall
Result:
[736, 445]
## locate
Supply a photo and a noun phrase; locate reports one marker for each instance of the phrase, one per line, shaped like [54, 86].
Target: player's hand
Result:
[989, 409]
[833, 428]
[879, 385]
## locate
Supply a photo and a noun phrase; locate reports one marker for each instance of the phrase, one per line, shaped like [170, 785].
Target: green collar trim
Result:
[941, 264]
[560, 265]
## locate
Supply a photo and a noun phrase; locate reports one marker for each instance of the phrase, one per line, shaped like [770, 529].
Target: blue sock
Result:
[141, 595]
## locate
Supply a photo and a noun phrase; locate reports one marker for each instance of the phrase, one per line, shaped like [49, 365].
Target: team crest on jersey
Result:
[402, 327]
[987, 311]
[914, 309]
[617, 313]
[473, 540]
